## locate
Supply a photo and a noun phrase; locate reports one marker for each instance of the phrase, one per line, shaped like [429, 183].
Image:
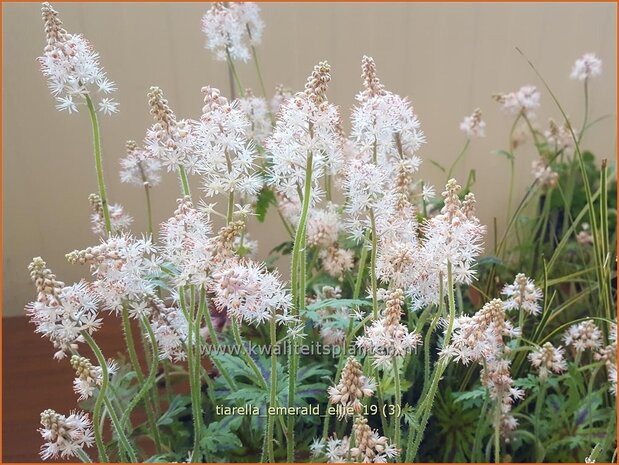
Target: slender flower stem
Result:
[539, 403]
[349, 334]
[198, 352]
[232, 69]
[96, 137]
[458, 158]
[425, 408]
[586, 117]
[194, 382]
[497, 434]
[373, 266]
[259, 72]
[102, 399]
[475, 455]
[144, 386]
[83, 456]
[271, 419]
[184, 181]
[245, 354]
[149, 209]
[230, 210]
[398, 402]
[298, 299]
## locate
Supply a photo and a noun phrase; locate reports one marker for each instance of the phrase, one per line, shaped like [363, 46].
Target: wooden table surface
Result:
[33, 381]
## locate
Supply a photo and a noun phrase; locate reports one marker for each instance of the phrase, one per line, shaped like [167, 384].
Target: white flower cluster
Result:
[365, 189]
[480, 339]
[72, 67]
[586, 67]
[65, 436]
[559, 137]
[523, 101]
[88, 376]
[523, 295]
[548, 359]
[453, 237]
[62, 313]
[171, 329]
[225, 154]
[121, 266]
[544, 174]
[334, 449]
[138, 168]
[169, 140]
[256, 110]
[306, 135]
[384, 126]
[247, 291]
[119, 219]
[387, 338]
[232, 29]
[187, 244]
[473, 125]
[582, 336]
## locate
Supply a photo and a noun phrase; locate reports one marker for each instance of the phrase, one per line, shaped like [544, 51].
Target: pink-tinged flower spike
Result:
[247, 291]
[384, 126]
[582, 336]
[370, 446]
[548, 359]
[559, 138]
[226, 155]
[307, 124]
[121, 266]
[473, 125]
[232, 28]
[454, 236]
[120, 221]
[586, 67]
[480, 339]
[544, 174]
[71, 67]
[138, 168]
[525, 100]
[61, 313]
[169, 140]
[65, 436]
[388, 337]
[353, 387]
[88, 377]
[523, 295]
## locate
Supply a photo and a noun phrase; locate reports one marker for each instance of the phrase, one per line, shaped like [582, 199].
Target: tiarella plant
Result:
[397, 337]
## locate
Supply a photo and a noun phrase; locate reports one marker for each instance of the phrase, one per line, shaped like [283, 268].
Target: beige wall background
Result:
[449, 58]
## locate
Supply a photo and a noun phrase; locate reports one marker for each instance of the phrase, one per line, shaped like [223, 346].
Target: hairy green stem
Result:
[298, 299]
[96, 136]
[458, 158]
[398, 402]
[144, 386]
[425, 408]
[271, 418]
[373, 267]
[184, 181]
[102, 399]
